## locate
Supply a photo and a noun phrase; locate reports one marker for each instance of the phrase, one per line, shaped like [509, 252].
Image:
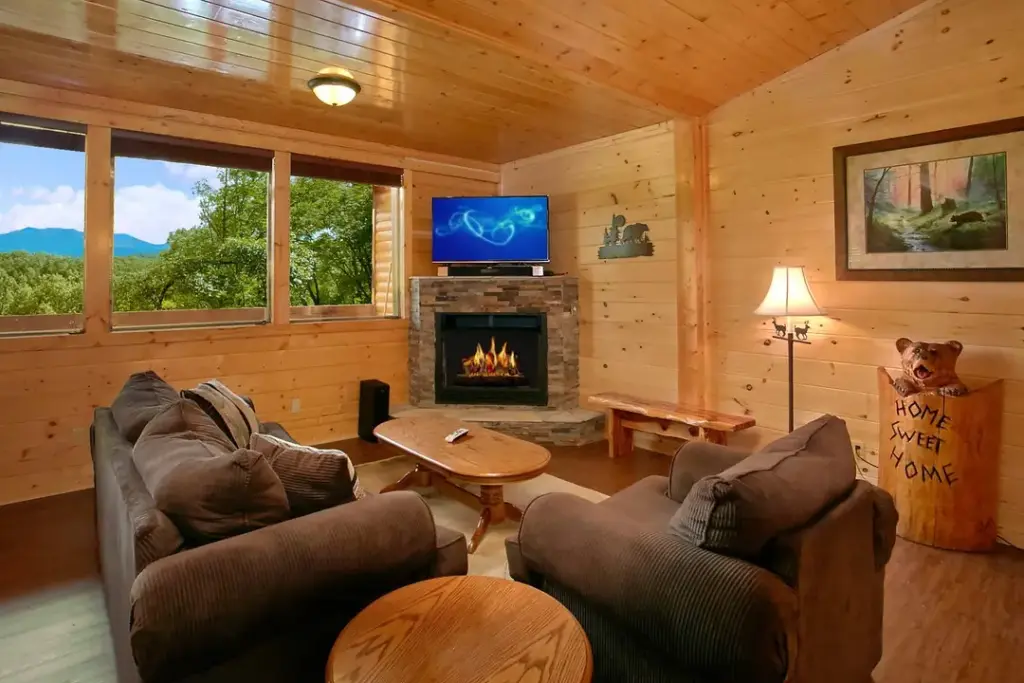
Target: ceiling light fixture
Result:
[334, 86]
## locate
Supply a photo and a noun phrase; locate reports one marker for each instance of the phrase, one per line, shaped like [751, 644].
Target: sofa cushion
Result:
[142, 397]
[125, 510]
[201, 482]
[313, 478]
[781, 487]
[232, 413]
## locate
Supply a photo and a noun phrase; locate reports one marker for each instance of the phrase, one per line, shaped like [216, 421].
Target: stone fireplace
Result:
[493, 306]
[502, 352]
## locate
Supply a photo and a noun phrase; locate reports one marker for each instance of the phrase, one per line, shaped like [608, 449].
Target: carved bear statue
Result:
[929, 367]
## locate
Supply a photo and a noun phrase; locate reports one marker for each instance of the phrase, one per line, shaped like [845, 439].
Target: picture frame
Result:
[945, 205]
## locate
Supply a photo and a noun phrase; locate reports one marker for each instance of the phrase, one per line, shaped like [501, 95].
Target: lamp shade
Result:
[788, 294]
[334, 86]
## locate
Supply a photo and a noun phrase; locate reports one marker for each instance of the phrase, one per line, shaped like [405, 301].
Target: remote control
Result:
[456, 435]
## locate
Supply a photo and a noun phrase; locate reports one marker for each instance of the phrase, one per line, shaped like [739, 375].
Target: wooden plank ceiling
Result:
[493, 80]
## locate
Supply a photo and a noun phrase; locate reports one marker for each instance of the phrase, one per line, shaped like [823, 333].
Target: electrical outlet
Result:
[296, 405]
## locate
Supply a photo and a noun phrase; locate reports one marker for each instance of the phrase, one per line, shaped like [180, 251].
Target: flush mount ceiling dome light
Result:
[334, 86]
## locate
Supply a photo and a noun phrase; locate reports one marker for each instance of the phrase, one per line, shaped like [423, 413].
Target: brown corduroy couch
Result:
[264, 606]
[660, 609]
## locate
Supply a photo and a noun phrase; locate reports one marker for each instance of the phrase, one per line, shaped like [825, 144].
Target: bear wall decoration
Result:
[929, 367]
[624, 241]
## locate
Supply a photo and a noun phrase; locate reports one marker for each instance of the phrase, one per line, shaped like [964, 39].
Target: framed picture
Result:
[947, 205]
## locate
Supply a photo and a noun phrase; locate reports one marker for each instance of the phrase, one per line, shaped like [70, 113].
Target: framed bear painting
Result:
[945, 205]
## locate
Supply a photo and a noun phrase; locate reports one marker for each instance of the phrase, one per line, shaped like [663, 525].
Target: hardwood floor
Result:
[949, 617]
[56, 635]
[952, 617]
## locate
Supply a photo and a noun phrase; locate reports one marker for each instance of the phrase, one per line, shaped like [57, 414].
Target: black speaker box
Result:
[374, 397]
[500, 270]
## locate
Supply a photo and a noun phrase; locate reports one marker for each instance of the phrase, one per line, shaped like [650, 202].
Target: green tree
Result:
[222, 261]
[40, 284]
[331, 242]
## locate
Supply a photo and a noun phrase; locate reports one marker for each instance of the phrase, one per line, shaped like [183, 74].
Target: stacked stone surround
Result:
[555, 297]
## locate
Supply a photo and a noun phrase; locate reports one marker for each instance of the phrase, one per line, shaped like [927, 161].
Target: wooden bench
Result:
[628, 414]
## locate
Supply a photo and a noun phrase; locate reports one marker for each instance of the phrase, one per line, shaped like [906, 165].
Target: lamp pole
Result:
[790, 339]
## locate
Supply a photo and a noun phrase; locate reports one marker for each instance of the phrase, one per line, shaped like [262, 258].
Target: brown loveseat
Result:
[264, 606]
[803, 605]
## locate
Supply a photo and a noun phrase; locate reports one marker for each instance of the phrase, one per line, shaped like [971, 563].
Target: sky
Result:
[45, 188]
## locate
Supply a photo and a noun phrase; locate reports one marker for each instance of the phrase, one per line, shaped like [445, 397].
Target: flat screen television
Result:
[490, 230]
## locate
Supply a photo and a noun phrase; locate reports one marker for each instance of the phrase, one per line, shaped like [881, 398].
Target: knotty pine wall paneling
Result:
[304, 375]
[947, 64]
[628, 307]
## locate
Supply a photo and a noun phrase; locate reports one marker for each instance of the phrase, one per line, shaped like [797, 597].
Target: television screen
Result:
[490, 229]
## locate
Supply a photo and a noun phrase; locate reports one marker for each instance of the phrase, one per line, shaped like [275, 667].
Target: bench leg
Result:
[713, 436]
[620, 437]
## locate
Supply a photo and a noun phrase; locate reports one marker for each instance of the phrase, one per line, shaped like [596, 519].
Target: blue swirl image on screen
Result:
[513, 229]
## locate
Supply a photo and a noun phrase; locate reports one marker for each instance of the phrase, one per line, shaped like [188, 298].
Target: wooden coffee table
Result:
[462, 629]
[483, 457]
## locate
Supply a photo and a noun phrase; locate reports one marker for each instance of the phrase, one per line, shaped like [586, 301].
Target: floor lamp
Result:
[788, 297]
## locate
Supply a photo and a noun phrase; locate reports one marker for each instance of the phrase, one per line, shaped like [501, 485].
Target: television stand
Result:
[490, 269]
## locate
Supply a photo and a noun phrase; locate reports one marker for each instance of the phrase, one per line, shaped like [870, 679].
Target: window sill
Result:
[315, 314]
[41, 325]
[133, 321]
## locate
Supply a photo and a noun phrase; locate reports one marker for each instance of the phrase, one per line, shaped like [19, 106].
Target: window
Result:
[42, 222]
[341, 235]
[190, 232]
[189, 229]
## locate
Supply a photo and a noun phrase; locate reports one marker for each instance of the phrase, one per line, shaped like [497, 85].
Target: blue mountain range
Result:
[69, 242]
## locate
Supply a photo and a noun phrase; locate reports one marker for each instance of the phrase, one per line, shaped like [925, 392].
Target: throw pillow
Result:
[313, 478]
[207, 487]
[782, 487]
[231, 412]
[142, 398]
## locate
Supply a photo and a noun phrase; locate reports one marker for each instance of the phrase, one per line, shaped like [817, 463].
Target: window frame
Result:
[127, 144]
[304, 166]
[33, 131]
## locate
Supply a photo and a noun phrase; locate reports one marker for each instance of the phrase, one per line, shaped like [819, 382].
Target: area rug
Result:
[489, 559]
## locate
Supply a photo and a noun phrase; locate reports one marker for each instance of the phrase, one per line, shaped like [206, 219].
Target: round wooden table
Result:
[462, 629]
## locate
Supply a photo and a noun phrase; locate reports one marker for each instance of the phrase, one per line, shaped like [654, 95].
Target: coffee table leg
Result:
[419, 476]
[493, 501]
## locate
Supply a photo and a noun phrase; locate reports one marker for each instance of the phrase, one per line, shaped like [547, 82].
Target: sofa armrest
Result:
[698, 459]
[200, 606]
[714, 614]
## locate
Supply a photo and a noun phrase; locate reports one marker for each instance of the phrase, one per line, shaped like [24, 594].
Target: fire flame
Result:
[491, 363]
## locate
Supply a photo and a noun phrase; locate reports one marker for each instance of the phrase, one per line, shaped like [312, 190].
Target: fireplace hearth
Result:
[491, 359]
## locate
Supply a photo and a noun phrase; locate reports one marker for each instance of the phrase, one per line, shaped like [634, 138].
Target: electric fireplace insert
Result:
[491, 358]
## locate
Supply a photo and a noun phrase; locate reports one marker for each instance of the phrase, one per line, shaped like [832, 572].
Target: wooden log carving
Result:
[938, 457]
